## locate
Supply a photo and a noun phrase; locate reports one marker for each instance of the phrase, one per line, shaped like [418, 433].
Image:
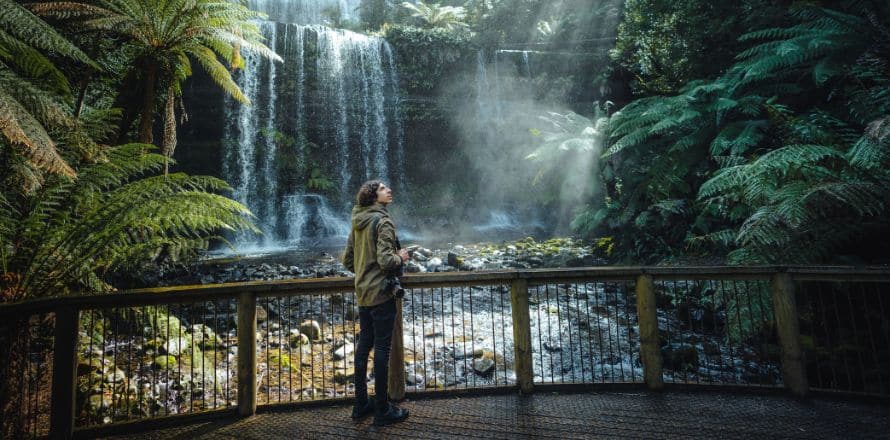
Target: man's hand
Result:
[403, 254]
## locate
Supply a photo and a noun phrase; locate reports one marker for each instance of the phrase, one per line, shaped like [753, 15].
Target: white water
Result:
[344, 90]
[307, 11]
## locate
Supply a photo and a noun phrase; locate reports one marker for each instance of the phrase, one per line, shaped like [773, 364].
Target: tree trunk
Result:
[147, 112]
[169, 141]
[81, 96]
[125, 98]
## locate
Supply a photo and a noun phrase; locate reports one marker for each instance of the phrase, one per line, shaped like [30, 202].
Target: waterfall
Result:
[322, 122]
[307, 11]
[310, 216]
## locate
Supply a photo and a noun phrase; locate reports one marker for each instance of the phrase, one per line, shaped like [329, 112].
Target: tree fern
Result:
[113, 217]
[777, 159]
[163, 34]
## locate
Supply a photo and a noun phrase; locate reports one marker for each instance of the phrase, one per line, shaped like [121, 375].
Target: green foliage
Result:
[164, 37]
[424, 56]
[32, 93]
[318, 181]
[665, 44]
[434, 15]
[757, 162]
[114, 216]
[569, 145]
[71, 209]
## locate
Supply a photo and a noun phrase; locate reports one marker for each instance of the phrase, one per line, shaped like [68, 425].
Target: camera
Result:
[393, 283]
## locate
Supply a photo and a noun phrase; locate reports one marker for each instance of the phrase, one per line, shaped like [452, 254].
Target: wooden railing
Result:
[651, 287]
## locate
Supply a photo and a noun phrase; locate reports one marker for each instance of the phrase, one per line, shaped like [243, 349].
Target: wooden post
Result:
[64, 374]
[787, 326]
[246, 354]
[650, 349]
[522, 336]
[397, 358]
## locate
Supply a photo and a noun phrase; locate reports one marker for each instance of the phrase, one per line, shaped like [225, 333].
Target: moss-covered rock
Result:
[298, 339]
[164, 362]
[279, 358]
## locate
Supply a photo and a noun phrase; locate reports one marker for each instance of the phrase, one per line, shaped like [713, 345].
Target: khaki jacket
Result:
[368, 260]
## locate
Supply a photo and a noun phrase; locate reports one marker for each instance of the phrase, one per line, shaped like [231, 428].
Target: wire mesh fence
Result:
[845, 335]
[458, 338]
[584, 333]
[148, 360]
[718, 332]
[305, 349]
[26, 368]
[152, 361]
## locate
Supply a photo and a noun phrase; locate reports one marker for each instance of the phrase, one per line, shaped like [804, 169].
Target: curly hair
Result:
[367, 193]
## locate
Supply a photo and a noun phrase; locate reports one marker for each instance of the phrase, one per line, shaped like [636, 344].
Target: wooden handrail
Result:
[246, 293]
[314, 286]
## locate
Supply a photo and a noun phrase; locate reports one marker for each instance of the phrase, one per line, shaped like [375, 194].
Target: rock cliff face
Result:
[339, 111]
[320, 123]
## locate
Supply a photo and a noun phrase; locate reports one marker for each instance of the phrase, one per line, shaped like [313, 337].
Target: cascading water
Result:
[321, 122]
[307, 11]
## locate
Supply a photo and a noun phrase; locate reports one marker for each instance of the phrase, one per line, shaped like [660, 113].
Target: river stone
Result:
[552, 347]
[205, 337]
[434, 382]
[344, 352]
[164, 362]
[261, 315]
[100, 401]
[413, 379]
[279, 358]
[454, 260]
[296, 339]
[88, 364]
[463, 353]
[483, 366]
[433, 264]
[412, 267]
[177, 346]
[115, 376]
[344, 376]
[311, 329]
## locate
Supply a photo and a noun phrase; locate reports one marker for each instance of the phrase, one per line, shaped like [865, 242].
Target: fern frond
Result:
[23, 25]
[218, 72]
[24, 132]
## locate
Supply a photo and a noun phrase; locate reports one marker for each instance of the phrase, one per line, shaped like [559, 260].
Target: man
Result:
[372, 254]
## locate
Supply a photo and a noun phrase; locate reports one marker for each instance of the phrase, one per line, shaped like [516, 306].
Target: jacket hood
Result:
[363, 216]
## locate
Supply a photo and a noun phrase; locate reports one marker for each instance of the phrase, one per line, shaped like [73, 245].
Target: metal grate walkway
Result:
[633, 414]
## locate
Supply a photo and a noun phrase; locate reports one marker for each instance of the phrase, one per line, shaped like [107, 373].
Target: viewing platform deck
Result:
[629, 413]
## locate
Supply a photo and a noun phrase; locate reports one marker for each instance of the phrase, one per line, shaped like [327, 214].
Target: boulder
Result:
[552, 347]
[279, 358]
[312, 329]
[343, 376]
[261, 314]
[297, 339]
[433, 263]
[680, 357]
[205, 337]
[483, 366]
[115, 376]
[164, 362]
[344, 352]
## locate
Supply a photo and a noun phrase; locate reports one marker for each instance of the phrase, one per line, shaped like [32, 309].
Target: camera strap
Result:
[374, 234]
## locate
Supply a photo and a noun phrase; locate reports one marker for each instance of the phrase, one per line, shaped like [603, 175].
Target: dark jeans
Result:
[376, 323]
